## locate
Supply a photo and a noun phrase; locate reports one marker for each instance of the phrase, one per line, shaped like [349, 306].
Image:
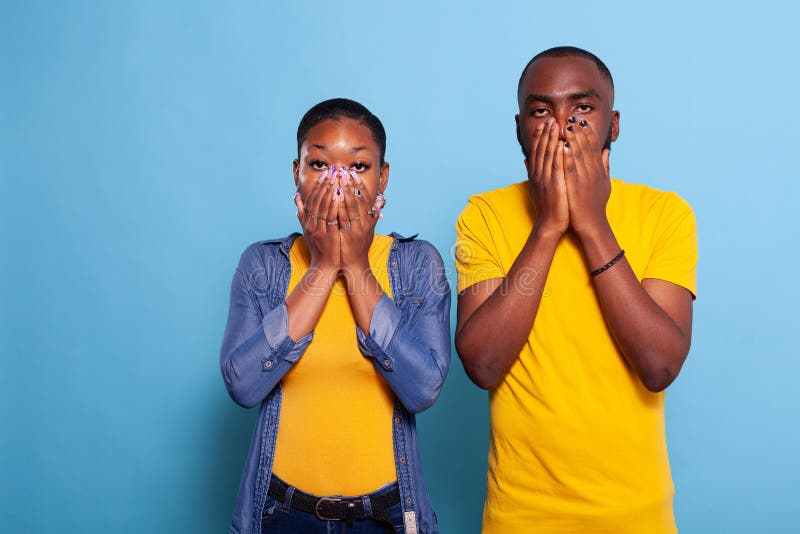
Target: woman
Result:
[341, 335]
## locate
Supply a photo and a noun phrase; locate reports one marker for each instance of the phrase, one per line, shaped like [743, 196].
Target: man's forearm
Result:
[651, 341]
[491, 338]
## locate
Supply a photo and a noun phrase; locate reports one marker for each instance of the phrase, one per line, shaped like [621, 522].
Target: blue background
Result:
[144, 145]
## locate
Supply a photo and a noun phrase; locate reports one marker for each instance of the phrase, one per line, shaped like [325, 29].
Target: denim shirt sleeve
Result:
[413, 358]
[256, 352]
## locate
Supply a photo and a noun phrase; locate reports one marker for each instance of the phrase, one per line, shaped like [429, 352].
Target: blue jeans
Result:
[281, 517]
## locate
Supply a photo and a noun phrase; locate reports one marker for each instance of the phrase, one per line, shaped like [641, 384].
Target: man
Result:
[575, 311]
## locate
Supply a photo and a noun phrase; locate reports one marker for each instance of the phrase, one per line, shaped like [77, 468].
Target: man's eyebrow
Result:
[539, 98]
[591, 93]
[584, 94]
[321, 147]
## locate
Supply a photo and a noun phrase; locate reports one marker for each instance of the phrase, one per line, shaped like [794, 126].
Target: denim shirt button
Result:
[397, 420]
[409, 500]
[394, 264]
[387, 362]
[402, 459]
[268, 364]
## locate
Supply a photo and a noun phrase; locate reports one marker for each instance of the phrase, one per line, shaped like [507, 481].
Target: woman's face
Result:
[342, 142]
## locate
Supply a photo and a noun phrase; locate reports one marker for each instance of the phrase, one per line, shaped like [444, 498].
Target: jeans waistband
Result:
[336, 507]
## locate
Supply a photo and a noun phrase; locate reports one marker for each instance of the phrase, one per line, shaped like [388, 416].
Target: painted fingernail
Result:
[571, 120]
[569, 128]
[584, 123]
[322, 177]
[345, 179]
[333, 168]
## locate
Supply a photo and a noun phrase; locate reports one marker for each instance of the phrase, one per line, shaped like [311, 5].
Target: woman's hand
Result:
[356, 227]
[315, 212]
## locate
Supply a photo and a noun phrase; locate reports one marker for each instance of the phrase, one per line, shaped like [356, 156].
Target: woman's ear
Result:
[296, 172]
[383, 179]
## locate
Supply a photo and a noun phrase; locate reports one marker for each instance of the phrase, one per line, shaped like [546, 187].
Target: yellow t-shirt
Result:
[335, 431]
[577, 442]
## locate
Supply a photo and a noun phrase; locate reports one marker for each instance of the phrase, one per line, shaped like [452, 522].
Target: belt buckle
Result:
[319, 502]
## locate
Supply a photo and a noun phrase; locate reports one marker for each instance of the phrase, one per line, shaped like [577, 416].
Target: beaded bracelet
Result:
[609, 264]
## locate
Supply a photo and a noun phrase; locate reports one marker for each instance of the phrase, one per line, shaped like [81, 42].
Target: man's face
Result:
[564, 87]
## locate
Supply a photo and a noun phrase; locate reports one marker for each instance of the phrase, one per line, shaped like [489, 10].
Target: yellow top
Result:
[577, 443]
[335, 431]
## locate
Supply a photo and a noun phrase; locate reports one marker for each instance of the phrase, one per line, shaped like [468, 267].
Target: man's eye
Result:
[317, 164]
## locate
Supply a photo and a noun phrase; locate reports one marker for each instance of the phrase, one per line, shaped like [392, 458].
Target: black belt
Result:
[335, 508]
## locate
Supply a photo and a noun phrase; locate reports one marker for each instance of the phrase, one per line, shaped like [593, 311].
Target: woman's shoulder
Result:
[417, 249]
[262, 252]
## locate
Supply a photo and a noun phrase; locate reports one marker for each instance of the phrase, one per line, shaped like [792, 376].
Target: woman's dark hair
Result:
[341, 107]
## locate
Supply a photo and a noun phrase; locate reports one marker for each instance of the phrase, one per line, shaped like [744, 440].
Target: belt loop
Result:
[365, 500]
[287, 498]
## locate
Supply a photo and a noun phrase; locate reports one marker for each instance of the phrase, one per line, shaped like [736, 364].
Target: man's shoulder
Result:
[516, 191]
[510, 199]
[648, 197]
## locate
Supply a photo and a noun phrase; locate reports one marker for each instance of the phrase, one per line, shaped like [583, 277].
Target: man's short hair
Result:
[568, 51]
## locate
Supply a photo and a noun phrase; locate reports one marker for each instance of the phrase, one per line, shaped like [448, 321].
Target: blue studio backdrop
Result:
[143, 145]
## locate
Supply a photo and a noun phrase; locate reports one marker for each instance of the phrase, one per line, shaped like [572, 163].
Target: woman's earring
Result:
[380, 202]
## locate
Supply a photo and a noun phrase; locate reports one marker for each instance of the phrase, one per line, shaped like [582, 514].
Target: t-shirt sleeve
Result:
[476, 256]
[674, 257]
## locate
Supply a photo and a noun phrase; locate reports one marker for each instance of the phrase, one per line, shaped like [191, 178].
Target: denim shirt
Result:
[408, 342]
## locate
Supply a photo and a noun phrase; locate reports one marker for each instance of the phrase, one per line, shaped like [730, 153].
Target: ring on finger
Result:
[346, 226]
[355, 218]
[332, 223]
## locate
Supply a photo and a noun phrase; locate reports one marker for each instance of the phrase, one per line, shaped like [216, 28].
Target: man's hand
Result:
[546, 179]
[587, 176]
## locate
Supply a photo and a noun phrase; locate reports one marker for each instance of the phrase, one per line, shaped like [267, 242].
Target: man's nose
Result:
[564, 119]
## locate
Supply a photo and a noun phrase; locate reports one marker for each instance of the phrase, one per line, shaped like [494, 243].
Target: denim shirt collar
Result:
[287, 242]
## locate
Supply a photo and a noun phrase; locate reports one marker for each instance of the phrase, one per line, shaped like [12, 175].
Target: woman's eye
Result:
[359, 167]
[317, 164]
[539, 112]
[584, 108]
